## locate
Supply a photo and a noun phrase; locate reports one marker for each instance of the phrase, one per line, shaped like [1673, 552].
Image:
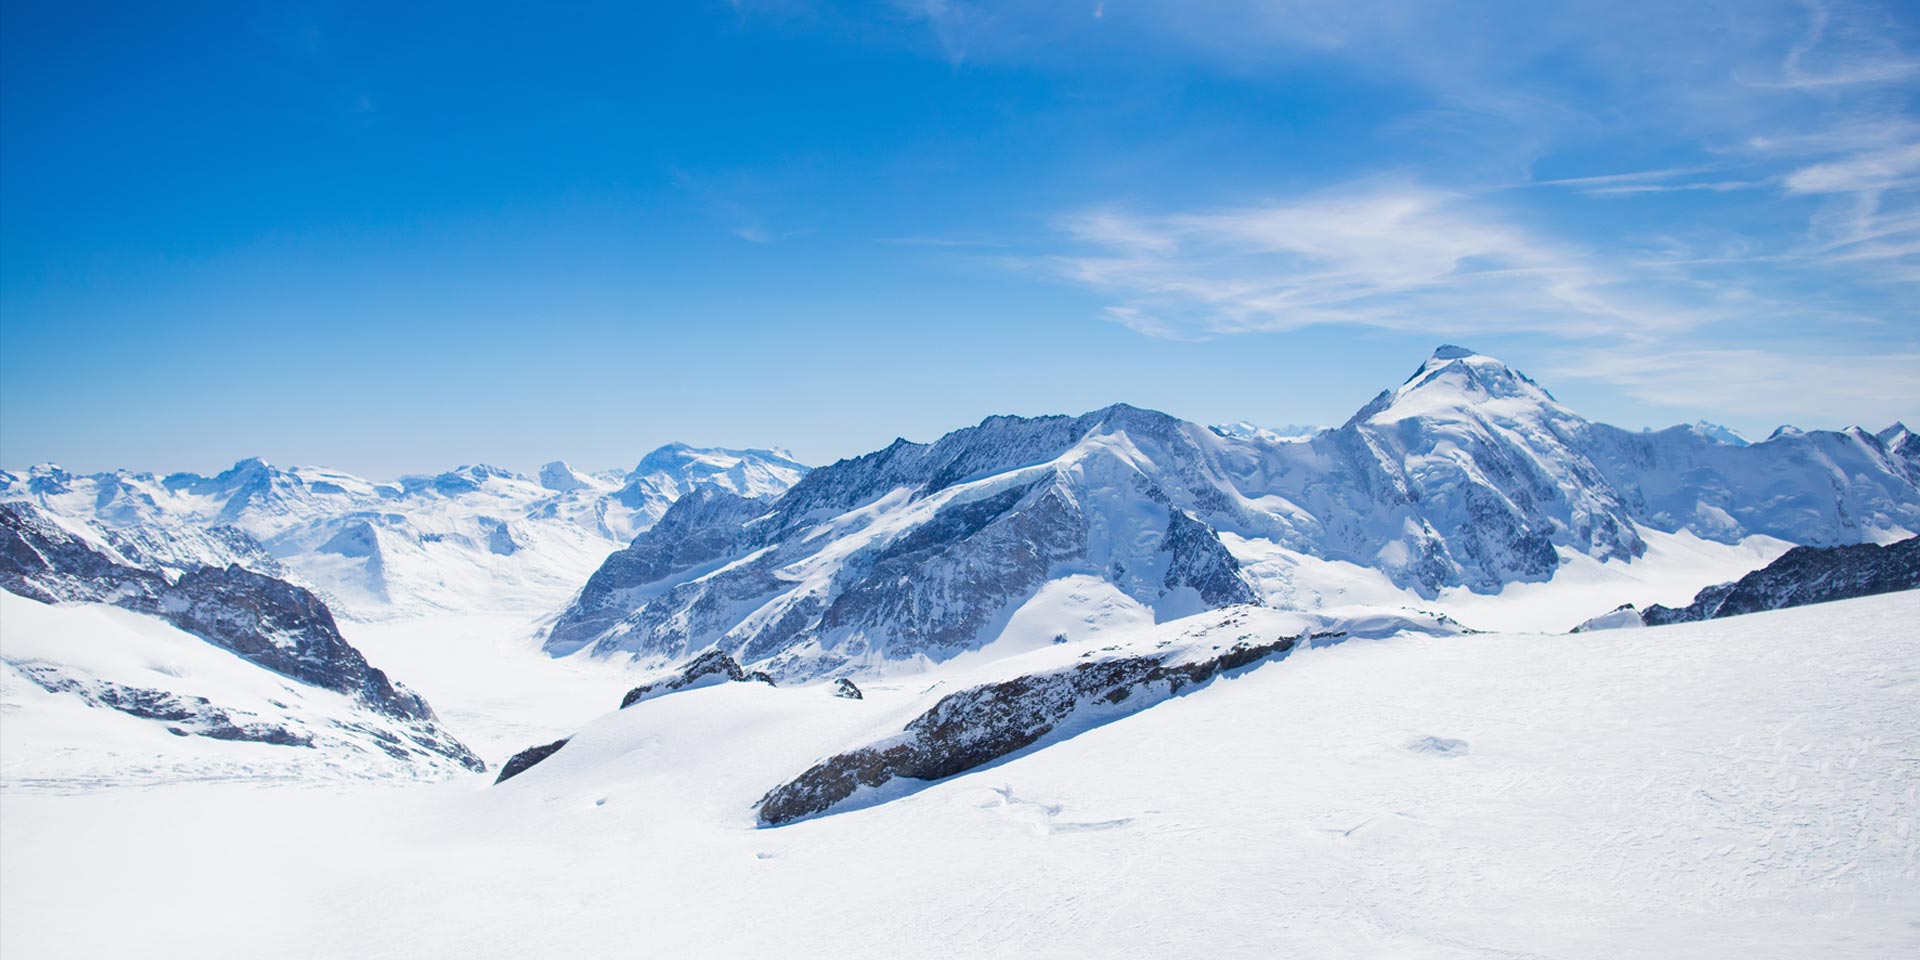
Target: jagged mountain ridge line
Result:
[1469, 473]
[449, 541]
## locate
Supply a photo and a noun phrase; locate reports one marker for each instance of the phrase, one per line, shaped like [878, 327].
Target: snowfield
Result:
[1734, 788]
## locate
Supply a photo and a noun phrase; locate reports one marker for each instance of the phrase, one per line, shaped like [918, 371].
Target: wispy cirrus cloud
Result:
[1840, 52]
[1390, 254]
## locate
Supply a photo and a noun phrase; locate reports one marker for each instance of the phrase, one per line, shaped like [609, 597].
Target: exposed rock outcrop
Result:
[184, 716]
[982, 724]
[1800, 576]
[524, 760]
[708, 668]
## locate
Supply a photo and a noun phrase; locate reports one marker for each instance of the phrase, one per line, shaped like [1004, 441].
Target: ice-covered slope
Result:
[1727, 789]
[475, 539]
[1468, 475]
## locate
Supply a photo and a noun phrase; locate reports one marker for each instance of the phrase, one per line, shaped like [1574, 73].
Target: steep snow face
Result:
[1483, 471]
[1468, 475]
[477, 538]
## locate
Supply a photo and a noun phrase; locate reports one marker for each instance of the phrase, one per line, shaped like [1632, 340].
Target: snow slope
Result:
[1740, 788]
[477, 539]
[61, 740]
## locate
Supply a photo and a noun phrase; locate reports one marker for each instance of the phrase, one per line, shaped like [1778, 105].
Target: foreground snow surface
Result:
[1736, 788]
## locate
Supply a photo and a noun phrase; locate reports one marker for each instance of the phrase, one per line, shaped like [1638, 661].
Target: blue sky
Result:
[393, 238]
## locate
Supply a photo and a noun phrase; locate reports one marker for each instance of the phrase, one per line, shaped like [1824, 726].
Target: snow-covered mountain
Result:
[1723, 434]
[221, 653]
[1244, 430]
[1020, 531]
[473, 538]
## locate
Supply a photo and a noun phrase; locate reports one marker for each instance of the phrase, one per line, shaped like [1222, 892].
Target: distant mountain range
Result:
[1018, 530]
[1468, 474]
[477, 537]
[204, 606]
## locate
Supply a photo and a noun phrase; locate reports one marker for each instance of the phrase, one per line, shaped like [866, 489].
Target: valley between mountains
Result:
[1113, 684]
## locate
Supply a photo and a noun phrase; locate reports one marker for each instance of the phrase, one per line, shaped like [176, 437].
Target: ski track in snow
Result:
[1735, 788]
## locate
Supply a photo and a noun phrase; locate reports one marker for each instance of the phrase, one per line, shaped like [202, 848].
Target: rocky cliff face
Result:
[1468, 474]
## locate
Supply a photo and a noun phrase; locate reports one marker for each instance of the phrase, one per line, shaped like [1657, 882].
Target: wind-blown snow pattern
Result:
[473, 539]
[1469, 475]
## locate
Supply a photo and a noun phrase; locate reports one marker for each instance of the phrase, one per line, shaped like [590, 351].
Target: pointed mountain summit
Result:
[1456, 381]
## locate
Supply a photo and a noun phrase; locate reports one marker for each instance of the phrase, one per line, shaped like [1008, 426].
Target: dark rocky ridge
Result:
[712, 666]
[524, 760]
[1801, 576]
[973, 727]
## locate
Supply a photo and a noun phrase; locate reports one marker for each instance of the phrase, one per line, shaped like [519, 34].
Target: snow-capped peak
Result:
[1457, 382]
[1720, 434]
[561, 478]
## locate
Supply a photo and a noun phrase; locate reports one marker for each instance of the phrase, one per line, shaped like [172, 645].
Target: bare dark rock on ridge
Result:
[185, 716]
[521, 762]
[1799, 577]
[982, 724]
[711, 667]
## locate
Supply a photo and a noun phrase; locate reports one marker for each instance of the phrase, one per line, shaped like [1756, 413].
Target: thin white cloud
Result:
[1391, 255]
[1848, 54]
[1872, 170]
